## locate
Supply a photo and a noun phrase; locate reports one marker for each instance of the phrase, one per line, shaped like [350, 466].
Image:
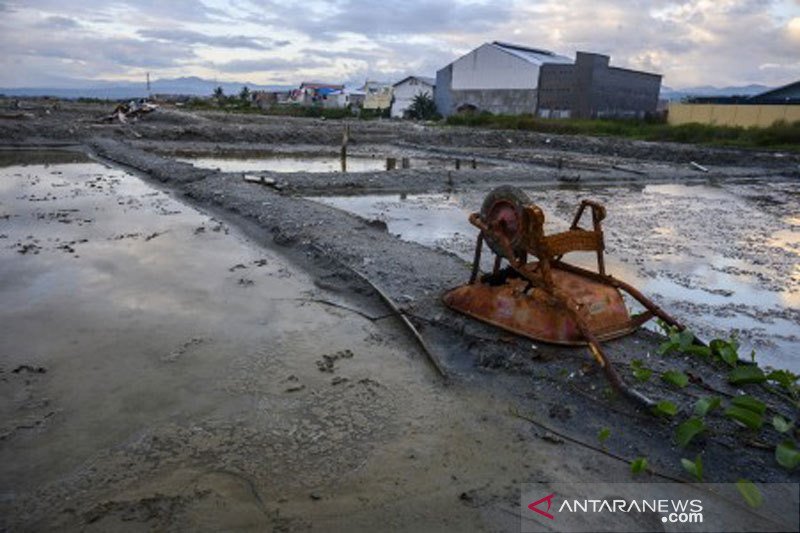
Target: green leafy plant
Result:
[747, 411]
[695, 468]
[750, 493]
[780, 424]
[706, 405]
[787, 455]
[423, 107]
[675, 378]
[603, 435]
[688, 430]
[640, 372]
[665, 408]
[726, 350]
[638, 465]
[787, 380]
[742, 375]
[678, 341]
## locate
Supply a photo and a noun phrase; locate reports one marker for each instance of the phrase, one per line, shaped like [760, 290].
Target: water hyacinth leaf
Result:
[729, 355]
[665, 408]
[786, 379]
[750, 493]
[701, 351]
[748, 402]
[642, 374]
[706, 405]
[685, 339]
[787, 455]
[639, 465]
[676, 378]
[742, 375]
[728, 351]
[745, 417]
[783, 377]
[667, 347]
[780, 424]
[716, 346]
[695, 468]
[688, 430]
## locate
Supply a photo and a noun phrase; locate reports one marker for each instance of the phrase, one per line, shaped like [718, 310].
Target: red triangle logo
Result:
[549, 499]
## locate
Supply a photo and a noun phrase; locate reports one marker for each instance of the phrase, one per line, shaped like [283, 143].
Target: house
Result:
[355, 97]
[267, 99]
[590, 88]
[319, 94]
[377, 95]
[498, 77]
[406, 90]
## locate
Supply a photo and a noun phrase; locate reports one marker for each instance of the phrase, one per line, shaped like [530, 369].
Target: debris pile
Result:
[130, 111]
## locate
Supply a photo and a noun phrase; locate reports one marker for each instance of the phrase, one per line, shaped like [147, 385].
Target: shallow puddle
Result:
[314, 163]
[722, 258]
[124, 309]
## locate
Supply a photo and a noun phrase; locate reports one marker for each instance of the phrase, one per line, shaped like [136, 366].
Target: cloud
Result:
[413, 17]
[227, 41]
[691, 42]
[59, 23]
[268, 65]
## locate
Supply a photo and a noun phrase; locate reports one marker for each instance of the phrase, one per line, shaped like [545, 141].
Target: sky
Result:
[63, 43]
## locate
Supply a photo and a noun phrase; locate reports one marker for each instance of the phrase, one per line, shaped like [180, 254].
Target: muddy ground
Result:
[227, 394]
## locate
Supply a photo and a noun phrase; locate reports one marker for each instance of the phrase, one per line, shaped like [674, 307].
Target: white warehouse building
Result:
[406, 90]
[498, 77]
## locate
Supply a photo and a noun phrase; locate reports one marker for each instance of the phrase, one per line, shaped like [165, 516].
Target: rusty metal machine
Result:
[548, 299]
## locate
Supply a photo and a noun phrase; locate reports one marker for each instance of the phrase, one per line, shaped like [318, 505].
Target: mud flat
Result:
[294, 399]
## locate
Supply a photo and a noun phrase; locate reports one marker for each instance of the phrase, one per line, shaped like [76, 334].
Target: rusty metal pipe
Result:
[476, 261]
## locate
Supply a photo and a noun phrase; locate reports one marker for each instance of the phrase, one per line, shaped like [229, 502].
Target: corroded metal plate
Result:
[537, 316]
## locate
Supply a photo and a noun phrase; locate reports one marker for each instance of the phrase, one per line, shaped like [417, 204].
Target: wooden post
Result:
[458, 164]
[391, 163]
[345, 141]
[474, 164]
[405, 163]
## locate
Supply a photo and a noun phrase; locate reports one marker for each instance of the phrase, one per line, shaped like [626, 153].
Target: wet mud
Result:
[230, 368]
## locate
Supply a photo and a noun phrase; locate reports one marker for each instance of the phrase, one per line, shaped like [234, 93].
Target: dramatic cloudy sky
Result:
[716, 42]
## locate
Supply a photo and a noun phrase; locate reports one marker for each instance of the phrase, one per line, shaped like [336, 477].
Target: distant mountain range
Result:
[669, 93]
[194, 86]
[191, 86]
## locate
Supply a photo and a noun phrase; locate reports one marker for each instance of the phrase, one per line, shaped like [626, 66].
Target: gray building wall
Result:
[592, 89]
[497, 101]
[442, 92]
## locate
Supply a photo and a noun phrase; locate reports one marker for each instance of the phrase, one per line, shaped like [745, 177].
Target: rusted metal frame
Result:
[611, 374]
[567, 303]
[598, 214]
[572, 308]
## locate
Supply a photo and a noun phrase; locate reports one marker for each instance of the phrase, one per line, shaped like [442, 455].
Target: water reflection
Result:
[696, 249]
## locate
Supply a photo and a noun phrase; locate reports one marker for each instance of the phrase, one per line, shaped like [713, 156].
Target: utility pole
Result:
[148, 85]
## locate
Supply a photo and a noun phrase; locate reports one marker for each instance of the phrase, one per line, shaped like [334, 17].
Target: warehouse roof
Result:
[537, 56]
[423, 79]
